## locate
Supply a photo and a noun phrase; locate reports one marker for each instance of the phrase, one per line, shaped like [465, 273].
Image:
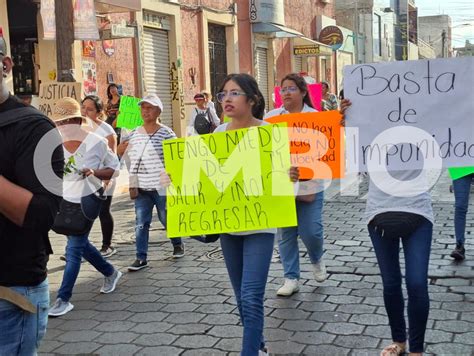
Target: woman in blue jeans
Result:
[463, 178]
[89, 161]
[247, 254]
[397, 217]
[295, 96]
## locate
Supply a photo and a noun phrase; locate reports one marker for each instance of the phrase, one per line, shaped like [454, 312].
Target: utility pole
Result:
[64, 12]
[443, 44]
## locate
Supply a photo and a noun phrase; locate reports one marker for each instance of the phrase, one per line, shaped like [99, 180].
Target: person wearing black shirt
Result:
[27, 211]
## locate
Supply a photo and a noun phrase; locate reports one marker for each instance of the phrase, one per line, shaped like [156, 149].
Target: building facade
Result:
[436, 30]
[374, 26]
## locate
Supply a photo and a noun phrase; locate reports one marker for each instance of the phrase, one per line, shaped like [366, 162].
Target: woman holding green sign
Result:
[247, 254]
[463, 178]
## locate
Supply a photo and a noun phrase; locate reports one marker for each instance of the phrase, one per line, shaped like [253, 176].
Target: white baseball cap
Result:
[152, 99]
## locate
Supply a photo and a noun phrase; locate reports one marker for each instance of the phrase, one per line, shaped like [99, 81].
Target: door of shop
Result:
[262, 73]
[157, 70]
[217, 58]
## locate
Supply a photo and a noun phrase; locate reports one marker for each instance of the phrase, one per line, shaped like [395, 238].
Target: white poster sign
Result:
[410, 114]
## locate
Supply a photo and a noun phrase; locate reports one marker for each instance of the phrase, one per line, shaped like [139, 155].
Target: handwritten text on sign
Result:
[229, 182]
[51, 92]
[130, 116]
[432, 95]
[316, 145]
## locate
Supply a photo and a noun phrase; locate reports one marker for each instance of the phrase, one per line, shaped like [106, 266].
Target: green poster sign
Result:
[229, 182]
[130, 116]
[459, 172]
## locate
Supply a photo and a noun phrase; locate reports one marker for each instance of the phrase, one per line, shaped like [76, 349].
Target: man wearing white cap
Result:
[145, 151]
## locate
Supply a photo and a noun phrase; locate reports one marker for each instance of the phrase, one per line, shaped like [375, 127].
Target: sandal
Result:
[393, 349]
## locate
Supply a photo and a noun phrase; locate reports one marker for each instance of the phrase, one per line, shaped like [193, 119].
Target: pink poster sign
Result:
[315, 93]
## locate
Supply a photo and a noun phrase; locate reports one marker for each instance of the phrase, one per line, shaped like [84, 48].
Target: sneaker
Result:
[289, 287]
[111, 282]
[60, 307]
[137, 265]
[459, 253]
[108, 251]
[178, 251]
[319, 270]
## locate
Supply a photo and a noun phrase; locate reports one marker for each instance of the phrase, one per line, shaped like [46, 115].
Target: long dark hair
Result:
[249, 86]
[302, 86]
[109, 95]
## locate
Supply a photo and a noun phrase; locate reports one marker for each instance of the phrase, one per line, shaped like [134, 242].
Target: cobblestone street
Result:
[186, 306]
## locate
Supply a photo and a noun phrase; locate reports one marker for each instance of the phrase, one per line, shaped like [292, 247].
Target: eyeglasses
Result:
[291, 90]
[232, 94]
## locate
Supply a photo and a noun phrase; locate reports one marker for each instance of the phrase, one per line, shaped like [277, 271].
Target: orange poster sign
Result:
[316, 143]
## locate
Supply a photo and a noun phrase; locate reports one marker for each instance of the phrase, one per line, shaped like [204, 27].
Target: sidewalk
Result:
[186, 306]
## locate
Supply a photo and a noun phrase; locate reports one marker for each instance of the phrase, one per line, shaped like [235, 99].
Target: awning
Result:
[304, 46]
[278, 30]
[113, 6]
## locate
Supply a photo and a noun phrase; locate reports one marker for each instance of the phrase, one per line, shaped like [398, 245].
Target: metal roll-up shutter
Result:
[262, 73]
[298, 64]
[157, 70]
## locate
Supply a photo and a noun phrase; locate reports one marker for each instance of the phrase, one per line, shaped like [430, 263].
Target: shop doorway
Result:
[24, 46]
[217, 59]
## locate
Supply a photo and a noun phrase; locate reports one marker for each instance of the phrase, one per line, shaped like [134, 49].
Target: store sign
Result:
[51, 92]
[311, 50]
[122, 31]
[332, 36]
[154, 20]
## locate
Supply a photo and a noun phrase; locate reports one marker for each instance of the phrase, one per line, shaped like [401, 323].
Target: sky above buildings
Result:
[461, 13]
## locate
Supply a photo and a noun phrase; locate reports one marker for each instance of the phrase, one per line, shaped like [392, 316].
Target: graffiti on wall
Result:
[177, 88]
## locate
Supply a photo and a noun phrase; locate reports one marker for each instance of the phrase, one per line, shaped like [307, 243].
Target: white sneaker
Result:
[289, 287]
[111, 282]
[319, 270]
[60, 307]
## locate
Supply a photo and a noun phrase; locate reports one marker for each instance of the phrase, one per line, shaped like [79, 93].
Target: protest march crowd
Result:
[75, 184]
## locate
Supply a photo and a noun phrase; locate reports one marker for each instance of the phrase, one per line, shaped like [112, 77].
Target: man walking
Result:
[27, 211]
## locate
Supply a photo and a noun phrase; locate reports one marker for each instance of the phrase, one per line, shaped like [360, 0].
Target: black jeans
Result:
[106, 222]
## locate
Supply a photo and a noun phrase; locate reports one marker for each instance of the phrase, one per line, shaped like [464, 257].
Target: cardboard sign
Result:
[410, 115]
[229, 182]
[315, 93]
[130, 116]
[51, 92]
[316, 143]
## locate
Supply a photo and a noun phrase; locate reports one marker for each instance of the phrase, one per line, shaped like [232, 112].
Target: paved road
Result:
[186, 307]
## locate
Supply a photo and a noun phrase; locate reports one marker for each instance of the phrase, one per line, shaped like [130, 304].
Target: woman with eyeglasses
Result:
[247, 254]
[295, 96]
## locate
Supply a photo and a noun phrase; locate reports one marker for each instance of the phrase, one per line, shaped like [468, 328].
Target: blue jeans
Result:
[247, 259]
[416, 249]
[20, 331]
[462, 189]
[144, 204]
[76, 248]
[309, 229]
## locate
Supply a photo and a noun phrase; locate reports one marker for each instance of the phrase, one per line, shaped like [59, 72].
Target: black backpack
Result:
[202, 123]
